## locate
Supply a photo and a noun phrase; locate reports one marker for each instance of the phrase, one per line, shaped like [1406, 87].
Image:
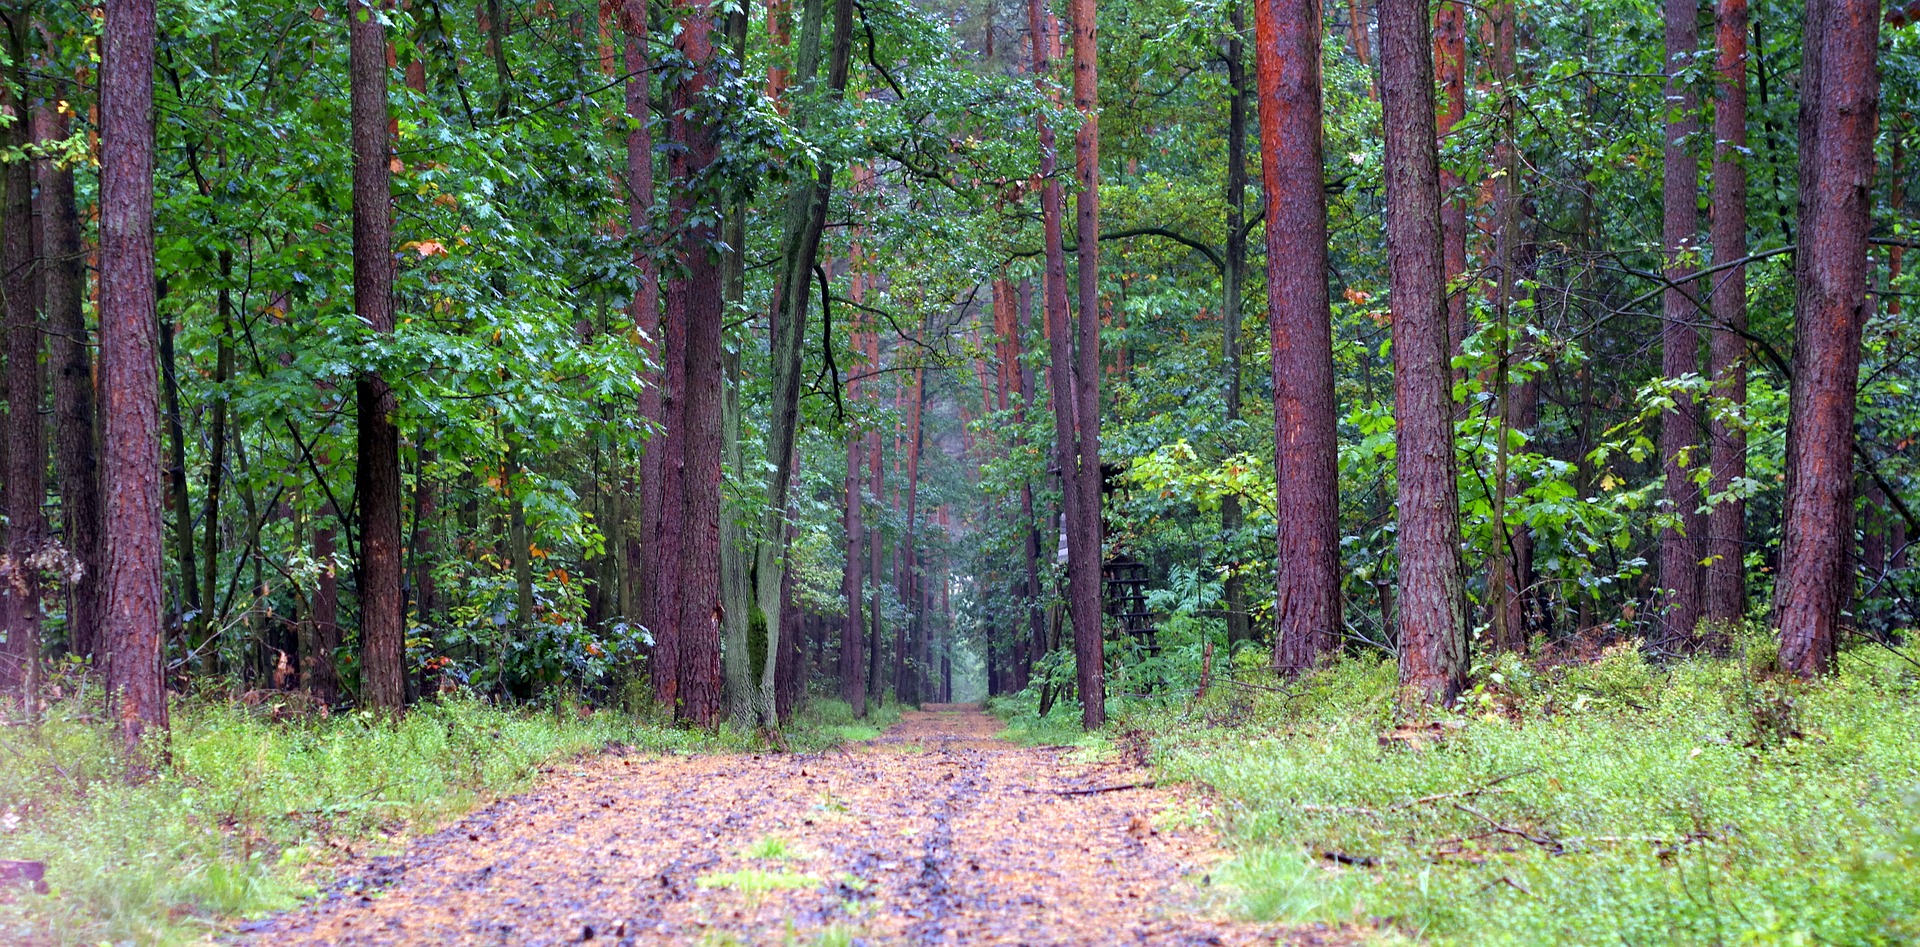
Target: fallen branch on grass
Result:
[1547, 842]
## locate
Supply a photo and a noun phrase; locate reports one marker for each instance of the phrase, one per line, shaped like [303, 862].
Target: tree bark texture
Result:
[377, 471]
[1727, 349]
[1840, 90]
[25, 431]
[1084, 546]
[1300, 325]
[1681, 549]
[76, 463]
[1432, 606]
[131, 520]
[698, 592]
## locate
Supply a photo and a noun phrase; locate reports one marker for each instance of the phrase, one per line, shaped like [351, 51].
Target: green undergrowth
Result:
[1616, 801]
[1059, 727]
[826, 721]
[255, 813]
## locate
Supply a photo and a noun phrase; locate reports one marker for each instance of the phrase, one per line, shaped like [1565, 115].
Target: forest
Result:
[1459, 458]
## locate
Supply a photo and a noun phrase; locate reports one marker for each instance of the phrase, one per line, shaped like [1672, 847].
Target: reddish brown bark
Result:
[1681, 549]
[1450, 55]
[1840, 93]
[1083, 533]
[699, 415]
[377, 470]
[1727, 364]
[75, 462]
[911, 687]
[131, 579]
[1432, 607]
[317, 670]
[1307, 592]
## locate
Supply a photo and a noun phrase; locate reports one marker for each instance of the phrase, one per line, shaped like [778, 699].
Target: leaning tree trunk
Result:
[1727, 349]
[1433, 641]
[1306, 449]
[131, 521]
[382, 631]
[1840, 93]
[1680, 549]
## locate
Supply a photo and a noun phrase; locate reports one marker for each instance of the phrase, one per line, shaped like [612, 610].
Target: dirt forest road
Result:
[935, 833]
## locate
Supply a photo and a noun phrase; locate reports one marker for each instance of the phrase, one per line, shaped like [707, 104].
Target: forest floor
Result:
[937, 832]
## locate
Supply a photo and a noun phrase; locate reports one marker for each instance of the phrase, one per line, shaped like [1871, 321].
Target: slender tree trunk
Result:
[317, 669]
[1507, 631]
[216, 453]
[1727, 350]
[1084, 545]
[1432, 606]
[1840, 93]
[1036, 615]
[131, 524]
[377, 471]
[75, 461]
[188, 599]
[913, 681]
[1232, 281]
[1450, 54]
[1681, 549]
[852, 681]
[1307, 609]
[699, 433]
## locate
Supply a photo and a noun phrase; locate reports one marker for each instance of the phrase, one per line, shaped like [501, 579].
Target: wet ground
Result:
[934, 833]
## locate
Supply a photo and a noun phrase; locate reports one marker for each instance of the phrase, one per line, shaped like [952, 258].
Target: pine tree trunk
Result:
[699, 431]
[1433, 642]
[25, 382]
[1307, 606]
[1727, 350]
[1840, 90]
[377, 470]
[131, 520]
[75, 461]
[1681, 549]
[1084, 552]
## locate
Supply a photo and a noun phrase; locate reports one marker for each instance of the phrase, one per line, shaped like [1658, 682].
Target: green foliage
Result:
[1615, 801]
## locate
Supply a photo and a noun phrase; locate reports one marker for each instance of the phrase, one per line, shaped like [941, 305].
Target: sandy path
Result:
[935, 833]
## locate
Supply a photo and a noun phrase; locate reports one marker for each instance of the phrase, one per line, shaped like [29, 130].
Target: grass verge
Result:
[254, 813]
[1611, 802]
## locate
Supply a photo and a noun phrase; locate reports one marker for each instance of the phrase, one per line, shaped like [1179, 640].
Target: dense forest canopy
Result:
[709, 355]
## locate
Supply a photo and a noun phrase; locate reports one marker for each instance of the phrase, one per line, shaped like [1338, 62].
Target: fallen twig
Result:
[1362, 861]
[1544, 841]
[1149, 784]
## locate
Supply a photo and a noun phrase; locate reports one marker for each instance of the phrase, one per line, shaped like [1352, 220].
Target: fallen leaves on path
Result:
[934, 833]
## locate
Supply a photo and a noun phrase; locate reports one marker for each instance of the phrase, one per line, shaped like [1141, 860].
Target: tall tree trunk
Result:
[1432, 606]
[1727, 349]
[699, 414]
[806, 217]
[1233, 279]
[1306, 450]
[1680, 549]
[131, 523]
[1084, 546]
[853, 687]
[377, 471]
[318, 673]
[912, 686]
[1036, 615]
[1450, 52]
[1060, 368]
[1840, 92]
[75, 463]
[25, 380]
[646, 557]
[1507, 629]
